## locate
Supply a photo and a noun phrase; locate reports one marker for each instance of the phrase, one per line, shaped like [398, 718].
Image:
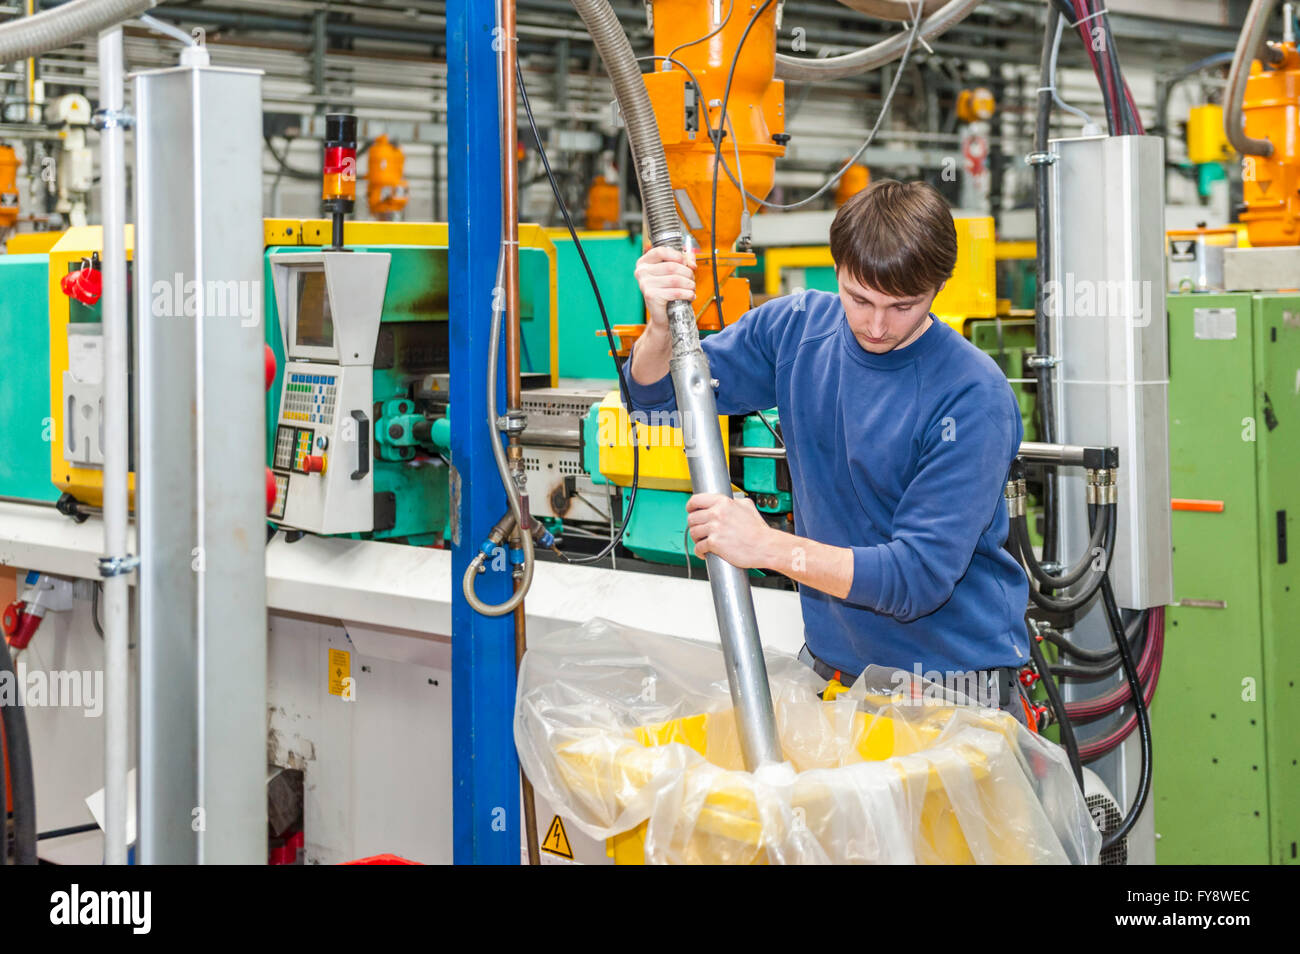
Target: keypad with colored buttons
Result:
[281, 495]
[284, 438]
[302, 448]
[309, 398]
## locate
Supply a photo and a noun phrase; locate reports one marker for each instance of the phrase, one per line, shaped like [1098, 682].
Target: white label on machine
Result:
[86, 358]
[1215, 323]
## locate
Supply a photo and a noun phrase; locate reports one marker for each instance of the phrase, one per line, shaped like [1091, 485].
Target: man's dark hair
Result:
[896, 237]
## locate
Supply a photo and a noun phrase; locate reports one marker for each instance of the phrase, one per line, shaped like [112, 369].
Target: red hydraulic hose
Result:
[1099, 747]
[1084, 16]
[1137, 117]
[1087, 710]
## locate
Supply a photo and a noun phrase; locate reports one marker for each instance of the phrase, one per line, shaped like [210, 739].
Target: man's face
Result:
[879, 322]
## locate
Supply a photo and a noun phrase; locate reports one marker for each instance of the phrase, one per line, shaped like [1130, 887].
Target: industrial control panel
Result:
[329, 303]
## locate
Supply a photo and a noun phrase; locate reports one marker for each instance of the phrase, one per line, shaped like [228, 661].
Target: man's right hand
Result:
[665, 275]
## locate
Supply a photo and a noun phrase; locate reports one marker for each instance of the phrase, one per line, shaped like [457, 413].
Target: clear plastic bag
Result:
[632, 736]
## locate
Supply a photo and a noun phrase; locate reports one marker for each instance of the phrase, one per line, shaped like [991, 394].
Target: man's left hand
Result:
[731, 528]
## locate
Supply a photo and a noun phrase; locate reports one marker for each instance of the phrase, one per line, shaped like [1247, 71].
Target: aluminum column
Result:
[201, 465]
[116, 417]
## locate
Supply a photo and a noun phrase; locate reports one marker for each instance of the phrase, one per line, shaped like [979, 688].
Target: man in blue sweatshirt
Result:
[899, 434]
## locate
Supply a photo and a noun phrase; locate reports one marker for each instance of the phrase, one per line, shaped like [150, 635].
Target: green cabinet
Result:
[1225, 713]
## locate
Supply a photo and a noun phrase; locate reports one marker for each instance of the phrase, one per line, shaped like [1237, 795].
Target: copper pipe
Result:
[510, 200]
[514, 398]
[530, 803]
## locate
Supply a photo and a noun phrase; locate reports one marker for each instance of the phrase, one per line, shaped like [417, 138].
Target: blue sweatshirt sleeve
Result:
[742, 359]
[949, 504]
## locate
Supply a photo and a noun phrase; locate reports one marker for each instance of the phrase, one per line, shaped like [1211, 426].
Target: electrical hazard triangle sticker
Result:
[557, 840]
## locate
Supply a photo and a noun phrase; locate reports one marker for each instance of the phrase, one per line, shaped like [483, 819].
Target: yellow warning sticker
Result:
[340, 678]
[557, 840]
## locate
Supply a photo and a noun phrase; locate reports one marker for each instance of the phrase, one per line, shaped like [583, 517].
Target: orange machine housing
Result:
[1272, 110]
[975, 105]
[856, 178]
[602, 205]
[386, 189]
[754, 126]
[9, 164]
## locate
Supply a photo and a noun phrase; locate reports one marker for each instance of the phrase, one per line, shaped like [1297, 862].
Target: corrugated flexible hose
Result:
[52, 29]
[806, 68]
[706, 456]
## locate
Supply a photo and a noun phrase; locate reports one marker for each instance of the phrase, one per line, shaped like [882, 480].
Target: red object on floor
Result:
[382, 860]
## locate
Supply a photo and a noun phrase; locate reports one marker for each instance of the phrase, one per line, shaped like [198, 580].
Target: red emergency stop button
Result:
[314, 464]
[86, 284]
[268, 357]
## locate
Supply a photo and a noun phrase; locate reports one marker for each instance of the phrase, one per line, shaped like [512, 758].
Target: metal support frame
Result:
[319, 44]
[1111, 388]
[1109, 339]
[201, 502]
[116, 455]
[485, 799]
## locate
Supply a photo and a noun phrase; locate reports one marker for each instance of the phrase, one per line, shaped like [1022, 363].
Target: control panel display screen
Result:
[314, 324]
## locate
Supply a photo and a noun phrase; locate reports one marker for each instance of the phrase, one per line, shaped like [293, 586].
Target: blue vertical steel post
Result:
[485, 768]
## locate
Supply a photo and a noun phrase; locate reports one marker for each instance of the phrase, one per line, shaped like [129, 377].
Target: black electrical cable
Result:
[768, 424]
[1099, 668]
[717, 159]
[714, 32]
[1133, 630]
[1143, 717]
[1020, 528]
[95, 592]
[1059, 581]
[1122, 116]
[1079, 20]
[701, 110]
[19, 754]
[1071, 602]
[65, 832]
[1129, 122]
[283, 162]
[1086, 673]
[1066, 9]
[1068, 739]
[1135, 118]
[619, 367]
[291, 171]
[885, 104]
[789, 116]
[1107, 76]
